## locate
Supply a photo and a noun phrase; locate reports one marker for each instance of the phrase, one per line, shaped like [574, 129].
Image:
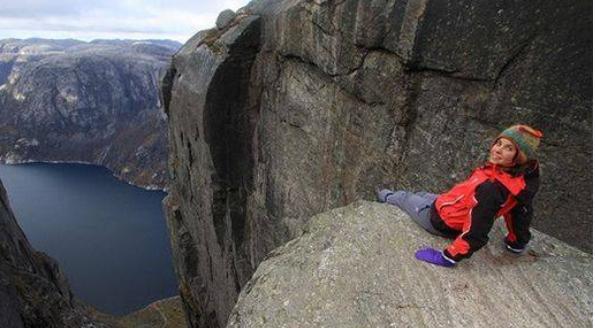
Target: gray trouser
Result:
[417, 205]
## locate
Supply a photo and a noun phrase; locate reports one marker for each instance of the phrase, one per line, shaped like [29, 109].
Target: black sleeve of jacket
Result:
[521, 221]
[525, 197]
[490, 196]
[522, 214]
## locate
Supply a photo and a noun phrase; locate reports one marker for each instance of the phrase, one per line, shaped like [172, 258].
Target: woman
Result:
[504, 186]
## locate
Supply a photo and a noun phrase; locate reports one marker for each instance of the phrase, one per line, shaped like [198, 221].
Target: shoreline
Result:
[29, 161]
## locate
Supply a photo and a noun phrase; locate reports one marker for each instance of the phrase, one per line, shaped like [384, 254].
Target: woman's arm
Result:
[518, 221]
[489, 196]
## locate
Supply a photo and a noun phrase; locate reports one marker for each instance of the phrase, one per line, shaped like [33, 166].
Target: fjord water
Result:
[109, 237]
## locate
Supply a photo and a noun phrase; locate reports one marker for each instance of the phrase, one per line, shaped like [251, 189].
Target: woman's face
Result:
[503, 152]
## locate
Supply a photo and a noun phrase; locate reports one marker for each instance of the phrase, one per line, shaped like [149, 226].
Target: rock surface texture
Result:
[292, 108]
[354, 267]
[97, 102]
[33, 290]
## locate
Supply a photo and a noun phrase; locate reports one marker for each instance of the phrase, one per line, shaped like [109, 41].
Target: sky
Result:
[110, 19]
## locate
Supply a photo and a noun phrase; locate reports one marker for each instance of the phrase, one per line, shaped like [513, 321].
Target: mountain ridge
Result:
[94, 102]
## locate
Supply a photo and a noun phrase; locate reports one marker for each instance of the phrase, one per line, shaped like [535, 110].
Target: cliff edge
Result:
[291, 108]
[354, 267]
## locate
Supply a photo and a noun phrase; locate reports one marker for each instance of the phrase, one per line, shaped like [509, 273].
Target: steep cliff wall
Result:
[97, 102]
[33, 290]
[295, 107]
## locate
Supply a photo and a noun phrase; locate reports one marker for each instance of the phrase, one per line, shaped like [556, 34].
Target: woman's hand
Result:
[433, 256]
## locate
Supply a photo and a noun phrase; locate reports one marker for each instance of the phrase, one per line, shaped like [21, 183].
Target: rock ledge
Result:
[354, 267]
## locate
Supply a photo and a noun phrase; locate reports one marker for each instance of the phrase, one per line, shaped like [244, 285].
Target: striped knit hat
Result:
[526, 139]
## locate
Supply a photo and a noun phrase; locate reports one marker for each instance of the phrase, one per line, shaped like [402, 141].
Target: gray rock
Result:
[305, 106]
[354, 267]
[206, 164]
[224, 18]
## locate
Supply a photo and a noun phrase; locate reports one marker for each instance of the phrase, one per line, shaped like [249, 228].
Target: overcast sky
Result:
[110, 19]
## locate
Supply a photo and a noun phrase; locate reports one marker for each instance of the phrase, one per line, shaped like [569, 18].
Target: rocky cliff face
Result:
[294, 107]
[323, 279]
[66, 100]
[33, 290]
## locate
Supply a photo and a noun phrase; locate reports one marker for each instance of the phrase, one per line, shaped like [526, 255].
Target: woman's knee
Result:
[383, 194]
[397, 198]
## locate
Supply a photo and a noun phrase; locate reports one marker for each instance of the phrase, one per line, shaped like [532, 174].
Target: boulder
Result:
[354, 267]
[225, 17]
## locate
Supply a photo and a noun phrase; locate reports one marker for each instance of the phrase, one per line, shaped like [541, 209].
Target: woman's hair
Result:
[526, 140]
[520, 169]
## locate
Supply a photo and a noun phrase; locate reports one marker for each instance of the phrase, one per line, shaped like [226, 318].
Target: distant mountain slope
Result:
[96, 102]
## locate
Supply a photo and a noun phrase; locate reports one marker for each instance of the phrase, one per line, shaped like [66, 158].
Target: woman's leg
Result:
[426, 194]
[416, 205]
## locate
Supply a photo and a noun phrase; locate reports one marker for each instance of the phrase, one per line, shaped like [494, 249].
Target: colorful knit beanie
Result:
[526, 139]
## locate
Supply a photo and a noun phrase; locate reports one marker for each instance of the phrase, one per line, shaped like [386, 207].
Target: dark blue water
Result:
[110, 238]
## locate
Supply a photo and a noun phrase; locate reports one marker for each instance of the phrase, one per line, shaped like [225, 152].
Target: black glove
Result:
[514, 247]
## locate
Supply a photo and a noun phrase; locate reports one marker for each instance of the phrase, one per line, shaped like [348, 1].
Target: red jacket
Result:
[469, 209]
